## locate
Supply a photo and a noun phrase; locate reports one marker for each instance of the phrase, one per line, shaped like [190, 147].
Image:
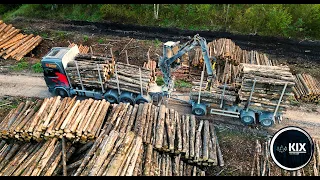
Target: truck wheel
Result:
[247, 117]
[127, 97]
[61, 92]
[111, 96]
[199, 109]
[266, 119]
[143, 99]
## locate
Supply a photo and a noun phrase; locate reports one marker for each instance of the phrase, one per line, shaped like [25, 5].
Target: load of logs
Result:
[124, 154]
[269, 82]
[89, 67]
[152, 65]
[82, 49]
[55, 117]
[214, 95]
[307, 88]
[229, 56]
[14, 44]
[33, 159]
[128, 77]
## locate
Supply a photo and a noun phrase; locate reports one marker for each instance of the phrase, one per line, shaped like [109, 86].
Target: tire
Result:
[199, 110]
[61, 92]
[267, 122]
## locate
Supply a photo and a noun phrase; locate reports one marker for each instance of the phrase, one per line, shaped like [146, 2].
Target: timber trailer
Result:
[58, 82]
[54, 65]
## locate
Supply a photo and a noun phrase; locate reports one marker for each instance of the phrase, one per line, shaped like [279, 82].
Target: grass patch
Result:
[182, 84]
[20, 66]
[159, 81]
[37, 68]
[85, 38]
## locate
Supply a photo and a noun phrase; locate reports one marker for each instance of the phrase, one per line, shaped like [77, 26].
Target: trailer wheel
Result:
[199, 110]
[127, 97]
[266, 119]
[247, 117]
[61, 92]
[111, 96]
[143, 99]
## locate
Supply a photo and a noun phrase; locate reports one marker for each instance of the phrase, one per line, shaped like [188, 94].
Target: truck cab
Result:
[53, 64]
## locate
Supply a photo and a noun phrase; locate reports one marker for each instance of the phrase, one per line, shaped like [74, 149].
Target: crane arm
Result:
[165, 62]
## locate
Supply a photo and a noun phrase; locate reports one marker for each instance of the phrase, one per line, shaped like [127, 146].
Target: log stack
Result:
[89, 67]
[55, 117]
[14, 44]
[124, 154]
[33, 159]
[129, 78]
[307, 88]
[229, 56]
[82, 49]
[270, 82]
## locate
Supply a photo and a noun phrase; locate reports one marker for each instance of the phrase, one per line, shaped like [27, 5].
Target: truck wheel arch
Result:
[60, 91]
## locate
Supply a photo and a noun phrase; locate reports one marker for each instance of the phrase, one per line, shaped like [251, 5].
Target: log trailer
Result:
[247, 115]
[59, 83]
[56, 63]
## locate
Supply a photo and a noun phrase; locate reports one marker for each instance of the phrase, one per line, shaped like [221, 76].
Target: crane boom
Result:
[165, 62]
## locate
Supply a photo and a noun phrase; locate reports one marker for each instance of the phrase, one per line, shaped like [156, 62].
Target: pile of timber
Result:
[128, 77]
[14, 44]
[55, 117]
[214, 94]
[89, 67]
[82, 49]
[270, 82]
[33, 159]
[229, 56]
[124, 154]
[261, 165]
[152, 65]
[168, 131]
[307, 88]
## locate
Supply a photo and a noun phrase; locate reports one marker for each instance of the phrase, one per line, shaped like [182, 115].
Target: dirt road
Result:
[23, 85]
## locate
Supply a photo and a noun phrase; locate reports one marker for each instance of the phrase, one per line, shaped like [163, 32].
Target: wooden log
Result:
[137, 124]
[104, 152]
[151, 124]
[160, 127]
[192, 135]
[147, 163]
[147, 123]
[139, 162]
[124, 124]
[198, 141]
[136, 146]
[213, 146]
[135, 157]
[132, 117]
[117, 160]
[59, 167]
[178, 134]
[205, 141]
[187, 132]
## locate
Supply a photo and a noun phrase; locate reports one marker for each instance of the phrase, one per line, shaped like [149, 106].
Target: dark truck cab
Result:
[53, 65]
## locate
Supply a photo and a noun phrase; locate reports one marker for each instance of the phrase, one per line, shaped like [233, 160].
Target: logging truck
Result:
[251, 103]
[65, 76]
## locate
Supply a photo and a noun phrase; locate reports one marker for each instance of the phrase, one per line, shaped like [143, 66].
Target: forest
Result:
[297, 21]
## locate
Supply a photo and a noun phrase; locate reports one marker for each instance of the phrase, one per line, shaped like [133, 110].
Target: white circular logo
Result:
[291, 148]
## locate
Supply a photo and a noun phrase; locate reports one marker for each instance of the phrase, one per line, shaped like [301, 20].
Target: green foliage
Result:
[159, 81]
[286, 20]
[37, 68]
[85, 38]
[182, 83]
[20, 66]
[100, 41]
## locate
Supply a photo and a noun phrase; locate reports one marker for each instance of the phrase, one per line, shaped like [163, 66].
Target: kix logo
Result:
[297, 148]
[291, 148]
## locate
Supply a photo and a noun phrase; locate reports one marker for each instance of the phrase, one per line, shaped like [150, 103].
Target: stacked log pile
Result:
[229, 56]
[129, 78]
[214, 94]
[168, 131]
[89, 67]
[82, 49]
[33, 159]
[307, 88]
[55, 117]
[152, 65]
[14, 44]
[270, 82]
[124, 154]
